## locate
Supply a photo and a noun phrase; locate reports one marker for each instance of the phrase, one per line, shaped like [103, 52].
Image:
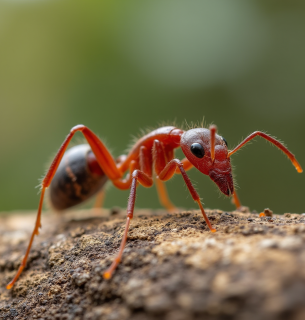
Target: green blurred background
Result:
[121, 66]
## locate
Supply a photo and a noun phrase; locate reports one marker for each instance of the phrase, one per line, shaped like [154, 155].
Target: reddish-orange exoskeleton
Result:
[84, 169]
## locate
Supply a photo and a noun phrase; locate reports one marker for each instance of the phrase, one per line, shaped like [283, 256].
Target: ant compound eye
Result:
[197, 150]
[225, 141]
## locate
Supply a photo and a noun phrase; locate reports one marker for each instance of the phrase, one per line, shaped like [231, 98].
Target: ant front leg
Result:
[186, 165]
[143, 176]
[167, 171]
[235, 200]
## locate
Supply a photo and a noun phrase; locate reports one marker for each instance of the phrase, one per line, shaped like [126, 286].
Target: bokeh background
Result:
[121, 66]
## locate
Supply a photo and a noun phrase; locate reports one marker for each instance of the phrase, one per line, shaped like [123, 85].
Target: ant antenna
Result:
[273, 141]
[213, 130]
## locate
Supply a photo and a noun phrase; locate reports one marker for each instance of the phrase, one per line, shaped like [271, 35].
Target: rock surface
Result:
[173, 268]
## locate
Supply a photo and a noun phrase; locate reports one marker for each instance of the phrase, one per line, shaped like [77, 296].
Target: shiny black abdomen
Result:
[73, 182]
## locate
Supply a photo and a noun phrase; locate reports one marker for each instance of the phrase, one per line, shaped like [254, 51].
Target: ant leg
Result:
[35, 232]
[169, 155]
[169, 171]
[163, 196]
[186, 165]
[99, 202]
[145, 159]
[104, 159]
[161, 158]
[235, 200]
[143, 176]
[103, 156]
[273, 141]
[124, 184]
[146, 181]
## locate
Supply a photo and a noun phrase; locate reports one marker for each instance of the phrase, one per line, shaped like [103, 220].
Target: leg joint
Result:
[79, 127]
[135, 174]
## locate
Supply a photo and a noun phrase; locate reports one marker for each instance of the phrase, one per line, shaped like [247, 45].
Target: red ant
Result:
[84, 170]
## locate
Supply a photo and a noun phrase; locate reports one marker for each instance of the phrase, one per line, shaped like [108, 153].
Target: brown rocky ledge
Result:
[173, 268]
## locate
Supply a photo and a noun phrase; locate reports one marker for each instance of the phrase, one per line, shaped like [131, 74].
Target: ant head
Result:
[197, 143]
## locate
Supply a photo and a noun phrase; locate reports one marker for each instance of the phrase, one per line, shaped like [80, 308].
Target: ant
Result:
[77, 174]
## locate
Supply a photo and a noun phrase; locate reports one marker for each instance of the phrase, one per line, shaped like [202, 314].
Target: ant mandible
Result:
[84, 170]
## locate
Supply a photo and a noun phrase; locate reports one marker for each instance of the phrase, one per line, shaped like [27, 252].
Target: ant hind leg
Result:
[104, 159]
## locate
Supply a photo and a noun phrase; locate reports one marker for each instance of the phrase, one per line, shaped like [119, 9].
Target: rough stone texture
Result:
[173, 268]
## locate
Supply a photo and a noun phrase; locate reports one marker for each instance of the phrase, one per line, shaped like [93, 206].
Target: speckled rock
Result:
[173, 267]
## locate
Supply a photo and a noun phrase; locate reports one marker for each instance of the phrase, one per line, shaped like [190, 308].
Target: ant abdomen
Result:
[77, 178]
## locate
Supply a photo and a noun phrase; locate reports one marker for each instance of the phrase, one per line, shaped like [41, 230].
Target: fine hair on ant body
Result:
[77, 174]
